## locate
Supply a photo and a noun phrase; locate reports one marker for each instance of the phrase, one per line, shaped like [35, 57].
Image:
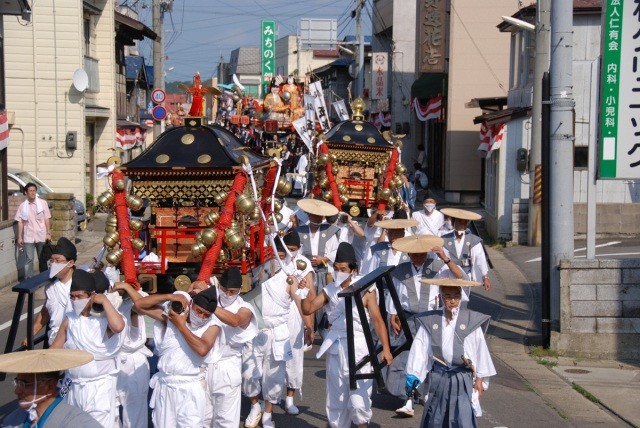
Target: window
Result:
[580, 157]
[87, 36]
[491, 183]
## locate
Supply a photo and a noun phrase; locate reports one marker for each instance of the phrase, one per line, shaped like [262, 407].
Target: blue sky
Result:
[199, 32]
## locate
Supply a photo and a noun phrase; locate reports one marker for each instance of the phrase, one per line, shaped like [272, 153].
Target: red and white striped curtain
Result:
[128, 138]
[381, 119]
[490, 138]
[433, 109]
[4, 130]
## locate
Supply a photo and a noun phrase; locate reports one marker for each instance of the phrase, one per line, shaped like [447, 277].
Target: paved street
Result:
[512, 400]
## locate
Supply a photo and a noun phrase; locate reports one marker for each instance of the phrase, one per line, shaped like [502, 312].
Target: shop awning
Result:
[502, 116]
[429, 85]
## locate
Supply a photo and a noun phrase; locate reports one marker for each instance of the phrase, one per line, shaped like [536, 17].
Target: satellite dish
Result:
[80, 80]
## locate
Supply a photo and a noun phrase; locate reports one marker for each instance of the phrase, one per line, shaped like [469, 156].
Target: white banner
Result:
[380, 75]
[341, 110]
[304, 132]
[315, 89]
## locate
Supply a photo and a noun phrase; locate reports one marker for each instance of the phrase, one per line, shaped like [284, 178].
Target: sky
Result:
[199, 32]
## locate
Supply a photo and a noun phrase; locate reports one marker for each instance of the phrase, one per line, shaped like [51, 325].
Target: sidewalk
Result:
[614, 385]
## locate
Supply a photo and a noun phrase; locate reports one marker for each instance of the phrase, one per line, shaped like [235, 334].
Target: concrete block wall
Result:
[62, 216]
[599, 309]
[519, 220]
[611, 219]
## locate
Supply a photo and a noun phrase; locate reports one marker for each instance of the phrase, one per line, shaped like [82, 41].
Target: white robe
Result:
[58, 304]
[428, 224]
[479, 264]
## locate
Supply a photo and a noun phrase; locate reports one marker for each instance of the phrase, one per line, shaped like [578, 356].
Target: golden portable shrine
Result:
[202, 188]
[356, 167]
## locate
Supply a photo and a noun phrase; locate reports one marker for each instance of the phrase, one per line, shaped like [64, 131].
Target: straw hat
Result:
[461, 214]
[450, 282]
[398, 223]
[43, 360]
[317, 207]
[417, 243]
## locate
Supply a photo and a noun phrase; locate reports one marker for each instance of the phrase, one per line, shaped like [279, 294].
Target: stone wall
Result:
[62, 216]
[599, 309]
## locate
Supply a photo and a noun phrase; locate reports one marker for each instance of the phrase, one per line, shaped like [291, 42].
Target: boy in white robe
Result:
[94, 326]
[184, 333]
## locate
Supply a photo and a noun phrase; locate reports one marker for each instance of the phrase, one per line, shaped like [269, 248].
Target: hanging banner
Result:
[268, 50]
[619, 105]
[315, 89]
[305, 133]
[380, 70]
[432, 27]
[341, 110]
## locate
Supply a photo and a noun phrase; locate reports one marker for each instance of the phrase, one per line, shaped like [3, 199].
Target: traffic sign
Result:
[159, 113]
[158, 96]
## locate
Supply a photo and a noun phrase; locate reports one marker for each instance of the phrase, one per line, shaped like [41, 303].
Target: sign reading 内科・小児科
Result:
[268, 52]
[619, 150]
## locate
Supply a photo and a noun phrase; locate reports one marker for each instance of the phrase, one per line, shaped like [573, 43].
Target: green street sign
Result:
[268, 54]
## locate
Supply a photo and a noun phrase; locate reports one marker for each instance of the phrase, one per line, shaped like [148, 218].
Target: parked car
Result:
[18, 178]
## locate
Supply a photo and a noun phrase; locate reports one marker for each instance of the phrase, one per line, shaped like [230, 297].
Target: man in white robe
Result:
[94, 326]
[184, 335]
[450, 347]
[430, 220]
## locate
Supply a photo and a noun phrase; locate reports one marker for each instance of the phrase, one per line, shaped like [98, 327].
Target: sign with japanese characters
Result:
[431, 28]
[620, 91]
[379, 75]
[268, 52]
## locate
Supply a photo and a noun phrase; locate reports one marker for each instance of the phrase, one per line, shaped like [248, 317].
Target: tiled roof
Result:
[245, 61]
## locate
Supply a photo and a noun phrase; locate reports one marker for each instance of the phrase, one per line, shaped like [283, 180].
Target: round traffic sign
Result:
[159, 113]
[158, 96]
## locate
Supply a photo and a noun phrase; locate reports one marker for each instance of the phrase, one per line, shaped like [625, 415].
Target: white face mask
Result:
[226, 300]
[30, 406]
[341, 277]
[294, 254]
[56, 268]
[195, 321]
[429, 207]
[79, 305]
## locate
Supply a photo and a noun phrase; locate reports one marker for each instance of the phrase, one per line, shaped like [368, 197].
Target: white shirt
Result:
[478, 259]
[428, 224]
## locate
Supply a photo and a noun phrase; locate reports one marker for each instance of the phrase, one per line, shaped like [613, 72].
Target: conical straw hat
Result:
[43, 360]
[461, 214]
[317, 207]
[417, 243]
[450, 282]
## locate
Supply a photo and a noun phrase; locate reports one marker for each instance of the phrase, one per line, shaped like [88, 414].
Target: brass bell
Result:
[267, 201]
[281, 186]
[112, 220]
[279, 217]
[323, 183]
[333, 157]
[392, 200]
[290, 281]
[393, 184]
[400, 169]
[198, 249]
[245, 203]
[111, 239]
[119, 184]
[223, 257]
[114, 256]
[399, 182]
[384, 194]
[134, 202]
[199, 236]
[135, 224]
[399, 144]
[323, 159]
[234, 239]
[301, 264]
[335, 170]
[220, 197]
[255, 214]
[243, 159]
[209, 236]
[211, 218]
[109, 229]
[327, 195]
[342, 188]
[344, 199]
[235, 225]
[322, 174]
[137, 243]
[106, 199]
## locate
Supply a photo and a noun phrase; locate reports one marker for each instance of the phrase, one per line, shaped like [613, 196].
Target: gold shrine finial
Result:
[358, 106]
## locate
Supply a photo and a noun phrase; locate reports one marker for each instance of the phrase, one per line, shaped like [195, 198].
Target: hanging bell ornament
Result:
[323, 159]
[220, 197]
[327, 195]
[223, 257]
[323, 183]
[243, 159]
[333, 157]
[245, 203]
[342, 188]
[137, 243]
[384, 194]
[135, 224]
[235, 225]
[211, 218]
[111, 239]
[344, 199]
[106, 199]
[290, 281]
[234, 239]
[255, 214]
[277, 205]
[119, 184]
[111, 224]
[198, 249]
[392, 200]
[199, 236]
[301, 264]
[399, 144]
[279, 217]
[134, 202]
[114, 256]
[335, 170]
[209, 236]
[284, 187]
[400, 169]
[109, 229]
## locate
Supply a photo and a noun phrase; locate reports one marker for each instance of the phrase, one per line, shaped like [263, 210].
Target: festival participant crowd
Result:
[215, 346]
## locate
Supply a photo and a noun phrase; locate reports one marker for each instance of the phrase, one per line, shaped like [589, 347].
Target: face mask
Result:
[33, 415]
[79, 305]
[56, 268]
[314, 223]
[341, 277]
[195, 321]
[226, 300]
[294, 254]
[429, 207]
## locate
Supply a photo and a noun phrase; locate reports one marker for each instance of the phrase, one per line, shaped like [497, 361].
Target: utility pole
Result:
[360, 37]
[561, 143]
[157, 15]
[541, 66]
